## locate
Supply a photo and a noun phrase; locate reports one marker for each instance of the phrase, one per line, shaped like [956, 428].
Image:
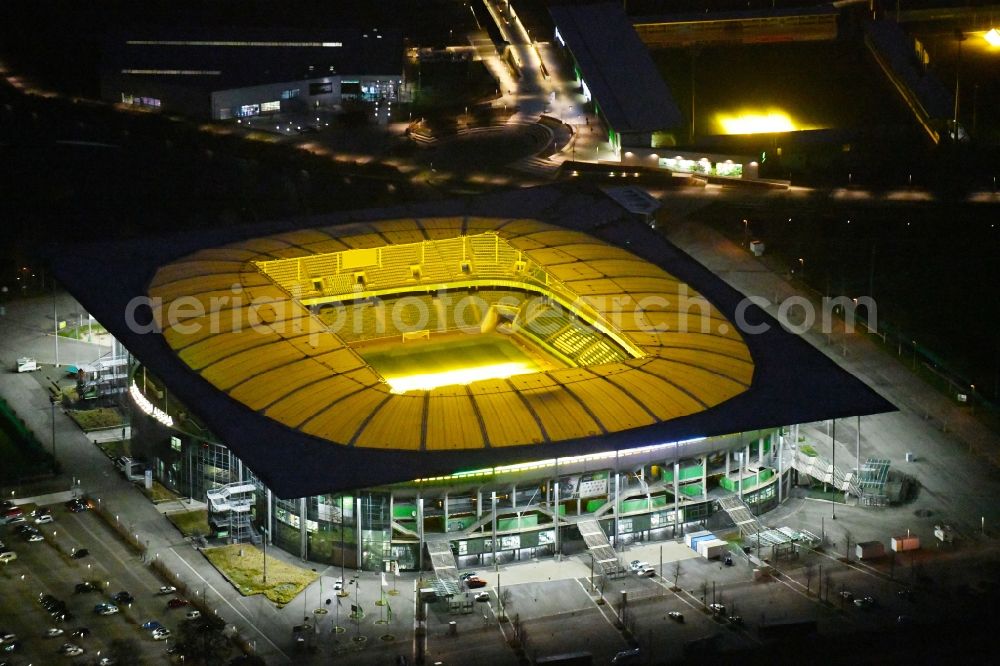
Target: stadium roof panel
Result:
[280, 411]
[539, 409]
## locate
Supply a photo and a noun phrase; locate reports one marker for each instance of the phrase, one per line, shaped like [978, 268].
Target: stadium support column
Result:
[614, 507]
[555, 519]
[358, 532]
[704, 477]
[857, 453]
[446, 512]
[677, 499]
[781, 480]
[303, 532]
[420, 529]
[479, 504]
[493, 520]
[727, 463]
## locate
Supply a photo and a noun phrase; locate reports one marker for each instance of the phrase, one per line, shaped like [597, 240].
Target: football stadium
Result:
[513, 375]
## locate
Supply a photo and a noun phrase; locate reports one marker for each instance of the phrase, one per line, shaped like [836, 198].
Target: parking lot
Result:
[47, 567]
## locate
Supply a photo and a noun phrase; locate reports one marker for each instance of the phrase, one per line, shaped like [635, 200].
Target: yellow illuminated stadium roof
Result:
[262, 344]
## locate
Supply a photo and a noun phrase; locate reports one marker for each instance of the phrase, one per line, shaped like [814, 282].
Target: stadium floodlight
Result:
[992, 37]
[756, 122]
[428, 381]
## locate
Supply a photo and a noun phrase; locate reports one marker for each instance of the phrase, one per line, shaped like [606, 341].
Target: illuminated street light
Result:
[992, 38]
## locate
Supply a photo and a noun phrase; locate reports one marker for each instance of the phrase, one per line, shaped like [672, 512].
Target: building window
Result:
[175, 443]
[270, 107]
[291, 93]
[248, 110]
[322, 88]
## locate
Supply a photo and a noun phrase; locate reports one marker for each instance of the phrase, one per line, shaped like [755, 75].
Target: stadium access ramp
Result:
[605, 558]
[750, 528]
[445, 569]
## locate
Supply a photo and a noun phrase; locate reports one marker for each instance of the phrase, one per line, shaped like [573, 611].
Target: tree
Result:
[677, 572]
[809, 576]
[202, 641]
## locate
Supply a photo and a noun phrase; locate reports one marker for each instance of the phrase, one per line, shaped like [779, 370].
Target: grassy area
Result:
[190, 523]
[160, 493]
[96, 419]
[82, 332]
[115, 448]
[808, 450]
[245, 571]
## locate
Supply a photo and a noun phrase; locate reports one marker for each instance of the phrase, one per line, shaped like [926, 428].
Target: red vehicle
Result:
[177, 602]
[473, 582]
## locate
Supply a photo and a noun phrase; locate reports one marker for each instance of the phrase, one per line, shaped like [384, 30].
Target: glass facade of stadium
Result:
[648, 493]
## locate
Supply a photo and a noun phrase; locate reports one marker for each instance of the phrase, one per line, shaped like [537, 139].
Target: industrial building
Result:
[244, 72]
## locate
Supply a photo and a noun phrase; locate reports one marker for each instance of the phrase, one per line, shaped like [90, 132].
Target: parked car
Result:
[847, 595]
[152, 625]
[71, 650]
[473, 582]
[84, 587]
[161, 634]
[76, 506]
[105, 609]
[80, 632]
[167, 589]
[338, 585]
[53, 632]
[80, 553]
[717, 609]
[468, 574]
[177, 602]
[482, 596]
[12, 646]
[123, 597]
[8, 556]
[193, 614]
[647, 572]
[637, 565]
[676, 616]
[44, 519]
[35, 537]
[736, 620]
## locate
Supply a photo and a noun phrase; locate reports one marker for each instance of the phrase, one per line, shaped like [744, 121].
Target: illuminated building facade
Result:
[243, 73]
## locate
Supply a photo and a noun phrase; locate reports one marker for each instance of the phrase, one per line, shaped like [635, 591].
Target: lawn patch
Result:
[245, 572]
[190, 523]
[96, 419]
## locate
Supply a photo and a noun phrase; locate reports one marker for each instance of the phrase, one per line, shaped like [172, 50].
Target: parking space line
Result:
[599, 606]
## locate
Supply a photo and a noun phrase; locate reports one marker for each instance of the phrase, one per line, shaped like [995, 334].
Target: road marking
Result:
[600, 609]
[228, 603]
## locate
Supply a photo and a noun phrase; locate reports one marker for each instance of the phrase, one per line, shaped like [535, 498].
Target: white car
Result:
[167, 589]
[8, 556]
[34, 538]
[338, 585]
[161, 634]
[638, 565]
[647, 572]
[71, 650]
[53, 632]
[44, 520]
[193, 614]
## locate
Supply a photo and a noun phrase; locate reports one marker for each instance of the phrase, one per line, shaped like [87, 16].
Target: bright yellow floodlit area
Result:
[992, 37]
[426, 382]
[764, 122]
